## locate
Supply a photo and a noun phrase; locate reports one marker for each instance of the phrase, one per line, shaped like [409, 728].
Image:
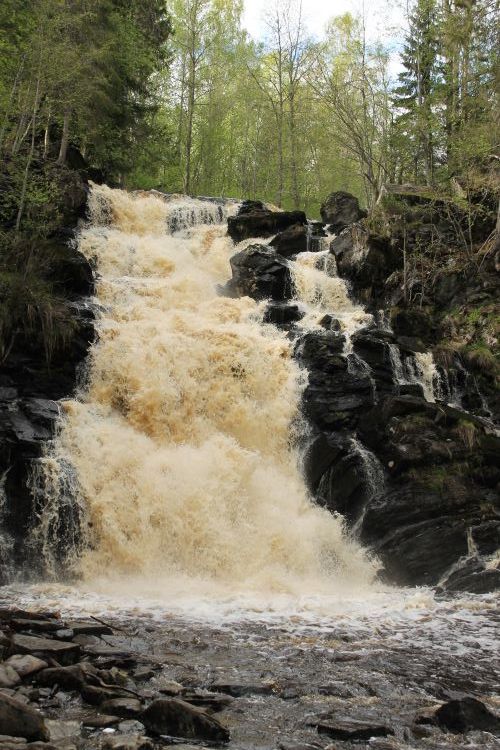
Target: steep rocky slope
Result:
[404, 440]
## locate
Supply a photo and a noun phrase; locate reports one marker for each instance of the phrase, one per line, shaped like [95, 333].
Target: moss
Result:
[479, 357]
[467, 433]
[445, 354]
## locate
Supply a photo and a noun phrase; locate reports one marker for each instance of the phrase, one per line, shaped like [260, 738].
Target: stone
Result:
[9, 678]
[19, 720]
[282, 313]
[26, 665]
[179, 719]
[72, 677]
[127, 742]
[353, 730]
[214, 701]
[125, 707]
[60, 730]
[169, 687]
[340, 210]
[255, 220]
[90, 628]
[260, 273]
[37, 626]
[466, 715]
[101, 721]
[63, 653]
[330, 323]
[97, 695]
[291, 241]
[240, 689]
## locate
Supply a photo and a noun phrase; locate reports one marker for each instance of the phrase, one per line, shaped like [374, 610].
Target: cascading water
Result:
[320, 290]
[181, 443]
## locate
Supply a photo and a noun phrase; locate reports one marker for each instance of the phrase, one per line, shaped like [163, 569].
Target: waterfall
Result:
[320, 290]
[182, 443]
[419, 369]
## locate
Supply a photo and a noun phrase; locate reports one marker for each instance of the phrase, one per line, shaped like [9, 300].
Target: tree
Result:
[416, 96]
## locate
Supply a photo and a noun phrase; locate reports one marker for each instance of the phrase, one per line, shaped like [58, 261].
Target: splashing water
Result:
[181, 444]
[320, 290]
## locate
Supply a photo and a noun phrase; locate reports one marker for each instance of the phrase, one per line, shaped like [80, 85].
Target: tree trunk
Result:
[22, 199]
[63, 150]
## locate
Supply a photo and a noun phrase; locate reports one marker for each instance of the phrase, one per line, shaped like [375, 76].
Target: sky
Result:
[384, 19]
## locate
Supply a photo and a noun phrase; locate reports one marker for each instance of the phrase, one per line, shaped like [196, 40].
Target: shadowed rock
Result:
[255, 220]
[20, 720]
[340, 210]
[179, 719]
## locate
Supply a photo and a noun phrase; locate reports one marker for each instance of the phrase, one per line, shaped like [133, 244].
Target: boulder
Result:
[19, 720]
[255, 220]
[26, 665]
[466, 715]
[282, 313]
[340, 210]
[177, 718]
[72, 677]
[368, 261]
[9, 678]
[260, 273]
[291, 241]
[126, 707]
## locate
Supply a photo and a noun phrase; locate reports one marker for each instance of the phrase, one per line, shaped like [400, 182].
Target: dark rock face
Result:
[30, 390]
[260, 273]
[340, 210]
[368, 261]
[255, 220]
[282, 313]
[291, 241]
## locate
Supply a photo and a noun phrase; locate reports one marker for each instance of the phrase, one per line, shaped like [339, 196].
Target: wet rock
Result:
[9, 678]
[472, 575]
[97, 695]
[37, 626]
[240, 689]
[19, 720]
[291, 241]
[353, 729]
[44, 648]
[26, 665]
[61, 730]
[71, 678]
[127, 742]
[90, 628]
[282, 313]
[179, 719]
[260, 273]
[330, 323]
[464, 715]
[340, 210]
[214, 702]
[126, 707]
[367, 261]
[101, 721]
[255, 220]
[131, 726]
[335, 393]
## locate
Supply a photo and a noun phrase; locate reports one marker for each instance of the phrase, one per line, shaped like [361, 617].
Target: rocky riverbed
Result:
[402, 671]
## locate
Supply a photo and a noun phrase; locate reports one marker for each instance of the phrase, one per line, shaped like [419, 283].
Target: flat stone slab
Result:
[353, 729]
[63, 653]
